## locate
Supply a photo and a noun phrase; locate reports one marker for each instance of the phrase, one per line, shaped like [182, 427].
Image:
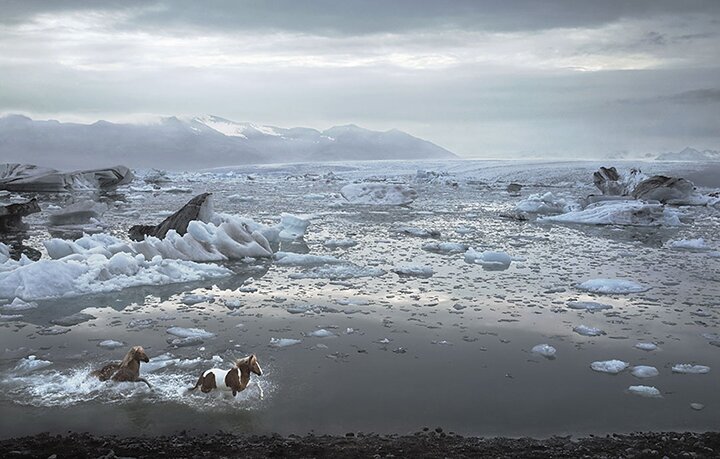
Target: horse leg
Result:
[143, 380]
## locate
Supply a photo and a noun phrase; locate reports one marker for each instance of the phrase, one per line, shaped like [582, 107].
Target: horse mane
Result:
[129, 357]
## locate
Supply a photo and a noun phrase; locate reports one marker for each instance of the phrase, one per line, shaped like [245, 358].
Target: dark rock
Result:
[514, 188]
[11, 214]
[178, 221]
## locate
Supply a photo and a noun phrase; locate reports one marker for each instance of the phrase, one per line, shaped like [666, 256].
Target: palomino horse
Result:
[127, 370]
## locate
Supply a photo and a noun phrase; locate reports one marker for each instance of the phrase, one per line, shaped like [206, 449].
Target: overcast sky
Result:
[481, 78]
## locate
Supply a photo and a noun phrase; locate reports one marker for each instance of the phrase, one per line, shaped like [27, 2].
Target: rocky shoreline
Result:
[428, 443]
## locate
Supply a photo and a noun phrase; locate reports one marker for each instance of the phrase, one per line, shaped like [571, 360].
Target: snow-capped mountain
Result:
[690, 154]
[204, 141]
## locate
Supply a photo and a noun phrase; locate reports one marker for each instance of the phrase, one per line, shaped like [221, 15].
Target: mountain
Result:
[199, 142]
[690, 154]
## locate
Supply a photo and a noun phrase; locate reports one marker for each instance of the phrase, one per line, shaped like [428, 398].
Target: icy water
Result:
[404, 352]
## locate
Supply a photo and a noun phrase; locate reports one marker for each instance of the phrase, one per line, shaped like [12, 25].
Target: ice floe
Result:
[181, 332]
[111, 344]
[545, 350]
[629, 213]
[687, 368]
[379, 194]
[19, 305]
[590, 306]
[644, 371]
[340, 243]
[338, 272]
[612, 286]
[284, 342]
[698, 244]
[413, 270]
[304, 259]
[588, 331]
[445, 247]
[609, 366]
[321, 333]
[545, 204]
[645, 391]
[646, 346]
[492, 261]
[292, 227]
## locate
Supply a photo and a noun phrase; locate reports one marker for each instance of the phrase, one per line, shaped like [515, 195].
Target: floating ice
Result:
[73, 319]
[340, 243]
[590, 306]
[338, 272]
[545, 350]
[644, 371]
[493, 261]
[293, 227]
[698, 244]
[10, 317]
[304, 259]
[111, 344]
[609, 366]
[378, 194]
[646, 346]
[415, 231]
[630, 213]
[29, 364]
[445, 247]
[322, 333]
[612, 286]
[588, 331]
[546, 204]
[19, 305]
[413, 270]
[193, 298]
[687, 368]
[284, 342]
[181, 332]
[78, 213]
[645, 391]
[81, 274]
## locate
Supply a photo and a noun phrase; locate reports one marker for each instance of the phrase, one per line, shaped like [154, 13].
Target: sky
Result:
[564, 78]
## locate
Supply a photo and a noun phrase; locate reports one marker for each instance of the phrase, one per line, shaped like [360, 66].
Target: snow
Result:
[413, 270]
[284, 342]
[378, 194]
[29, 364]
[629, 213]
[588, 331]
[644, 371]
[687, 368]
[612, 286]
[609, 366]
[545, 350]
[645, 391]
[690, 244]
[304, 259]
[646, 346]
[181, 332]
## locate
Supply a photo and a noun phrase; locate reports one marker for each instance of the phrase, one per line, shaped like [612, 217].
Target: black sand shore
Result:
[429, 443]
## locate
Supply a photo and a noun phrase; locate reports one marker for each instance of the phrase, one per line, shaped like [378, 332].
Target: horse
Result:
[235, 379]
[127, 370]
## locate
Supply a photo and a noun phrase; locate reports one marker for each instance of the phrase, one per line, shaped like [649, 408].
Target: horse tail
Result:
[197, 384]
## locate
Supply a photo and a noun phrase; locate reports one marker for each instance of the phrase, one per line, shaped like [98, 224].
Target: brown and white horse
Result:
[127, 370]
[235, 379]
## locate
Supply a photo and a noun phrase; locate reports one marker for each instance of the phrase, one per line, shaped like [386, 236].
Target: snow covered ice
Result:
[612, 286]
[609, 366]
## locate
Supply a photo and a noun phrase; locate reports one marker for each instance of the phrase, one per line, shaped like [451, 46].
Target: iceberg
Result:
[627, 213]
[492, 261]
[378, 194]
[686, 368]
[612, 286]
[645, 391]
[545, 350]
[29, 177]
[609, 366]
[644, 371]
[413, 270]
[588, 331]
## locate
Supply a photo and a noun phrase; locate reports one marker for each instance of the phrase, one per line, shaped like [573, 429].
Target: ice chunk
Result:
[415, 231]
[190, 332]
[445, 247]
[338, 272]
[612, 286]
[690, 244]
[304, 259]
[73, 319]
[492, 261]
[644, 371]
[629, 213]
[340, 243]
[545, 350]
[609, 366]
[546, 204]
[413, 270]
[284, 342]
[292, 227]
[645, 391]
[322, 333]
[687, 368]
[111, 344]
[588, 331]
[78, 213]
[590, 306]
[646, 346]
[19, 305]
[378, 194]
[192, 298]
[29, 364]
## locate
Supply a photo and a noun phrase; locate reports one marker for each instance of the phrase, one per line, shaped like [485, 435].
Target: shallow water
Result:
[450, 350]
